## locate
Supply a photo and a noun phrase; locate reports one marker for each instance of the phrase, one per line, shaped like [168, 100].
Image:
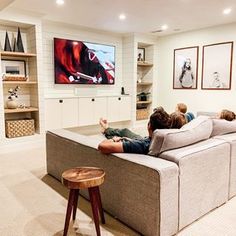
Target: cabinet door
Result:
[52, 114]
[86, 111]
[100, 109]
[125, 108]
[113, 109]
[70, 112]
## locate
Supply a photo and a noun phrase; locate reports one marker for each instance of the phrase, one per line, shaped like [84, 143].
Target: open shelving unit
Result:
[28, 94]
[144, 82]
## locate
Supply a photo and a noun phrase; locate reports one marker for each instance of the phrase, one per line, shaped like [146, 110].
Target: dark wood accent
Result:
[94, 205]
[75, 203]
[69, 210]
[99, 201]
[80, 178]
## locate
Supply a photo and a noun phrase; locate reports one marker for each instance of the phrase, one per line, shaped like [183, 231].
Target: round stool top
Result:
[83, 177]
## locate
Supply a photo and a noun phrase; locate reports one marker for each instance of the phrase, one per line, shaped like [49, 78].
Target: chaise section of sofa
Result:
[140, 190]
[226, 130]
[231, 139]
[203, 177]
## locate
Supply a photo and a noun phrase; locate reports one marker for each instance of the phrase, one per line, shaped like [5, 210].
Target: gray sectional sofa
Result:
[188, 173]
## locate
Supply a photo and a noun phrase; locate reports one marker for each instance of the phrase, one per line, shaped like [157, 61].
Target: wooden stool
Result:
[81, 178]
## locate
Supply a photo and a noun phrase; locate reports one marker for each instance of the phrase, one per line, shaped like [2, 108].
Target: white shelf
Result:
[17, 54]
[19, 82]
[144, 84]
[144, 64]
[20, 110]
[144, 102]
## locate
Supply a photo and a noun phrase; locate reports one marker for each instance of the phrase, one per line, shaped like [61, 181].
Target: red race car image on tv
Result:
[79, 62]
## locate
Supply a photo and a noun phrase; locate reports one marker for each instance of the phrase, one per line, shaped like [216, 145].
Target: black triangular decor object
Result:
[15, 47]
[19, 42]
[7, 45]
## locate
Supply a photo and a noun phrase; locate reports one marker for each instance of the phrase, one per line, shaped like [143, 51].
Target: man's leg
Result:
[110, 133]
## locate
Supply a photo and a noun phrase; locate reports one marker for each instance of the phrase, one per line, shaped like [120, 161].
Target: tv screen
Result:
[78, 62]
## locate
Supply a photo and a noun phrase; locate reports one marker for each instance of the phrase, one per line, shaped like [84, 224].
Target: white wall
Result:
[51, 30]
[197, 100]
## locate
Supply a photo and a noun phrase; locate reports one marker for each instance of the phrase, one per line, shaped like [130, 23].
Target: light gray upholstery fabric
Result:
[139, 190]
[167, 139]
[221, 126]
[203, 179]
[207, 113]
[231, 138]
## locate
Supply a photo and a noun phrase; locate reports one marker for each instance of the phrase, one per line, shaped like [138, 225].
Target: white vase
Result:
[12, 104]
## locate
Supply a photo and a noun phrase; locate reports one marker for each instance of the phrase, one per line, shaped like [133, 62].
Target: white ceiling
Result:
[142, 15]
[4, 3]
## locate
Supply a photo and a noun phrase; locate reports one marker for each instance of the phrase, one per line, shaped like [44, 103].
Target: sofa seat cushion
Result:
[221, 126]
[167, 139]
[203, 178]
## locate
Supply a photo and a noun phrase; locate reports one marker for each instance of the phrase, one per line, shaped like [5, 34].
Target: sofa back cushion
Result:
[167, 139]
[221, 126]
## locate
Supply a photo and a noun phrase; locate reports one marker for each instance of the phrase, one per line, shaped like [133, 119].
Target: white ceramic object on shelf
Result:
[12, 104]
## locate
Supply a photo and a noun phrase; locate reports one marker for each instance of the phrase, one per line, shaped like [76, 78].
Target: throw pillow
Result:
[193, 132]
[221, 127]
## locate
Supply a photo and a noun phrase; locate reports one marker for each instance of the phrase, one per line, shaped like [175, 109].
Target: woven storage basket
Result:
[18, 128]
[142, 114]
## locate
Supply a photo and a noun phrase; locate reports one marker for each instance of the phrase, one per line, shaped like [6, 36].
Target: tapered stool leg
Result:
[100, 205]
[68, 211]
[75, 203]
[94, 205]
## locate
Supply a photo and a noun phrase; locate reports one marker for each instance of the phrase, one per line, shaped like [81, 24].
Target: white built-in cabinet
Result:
[83, 111]
[61, 113]
[91, 110]
[119, 109]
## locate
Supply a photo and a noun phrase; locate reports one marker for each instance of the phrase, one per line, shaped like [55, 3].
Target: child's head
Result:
[181, 107]
[227, 115]
[177, 120]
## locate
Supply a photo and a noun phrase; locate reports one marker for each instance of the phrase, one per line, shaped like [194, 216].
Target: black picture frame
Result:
[214, 75]
[141, 54]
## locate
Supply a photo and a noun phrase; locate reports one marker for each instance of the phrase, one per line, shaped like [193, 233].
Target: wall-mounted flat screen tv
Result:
[78, 62]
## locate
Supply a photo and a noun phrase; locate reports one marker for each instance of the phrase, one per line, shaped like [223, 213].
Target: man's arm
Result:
[110, 146]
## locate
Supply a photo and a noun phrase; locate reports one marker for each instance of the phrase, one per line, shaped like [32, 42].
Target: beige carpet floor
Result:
[34, 204]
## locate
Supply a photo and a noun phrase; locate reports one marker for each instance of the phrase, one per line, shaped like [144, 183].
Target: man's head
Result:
[227, 115]
[159, 119]
[181, 107]
[177, 120]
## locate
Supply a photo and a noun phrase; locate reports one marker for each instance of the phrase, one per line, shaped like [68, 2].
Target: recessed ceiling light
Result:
[227, 11]
[164, 27]
[60, 2]
[122, 16]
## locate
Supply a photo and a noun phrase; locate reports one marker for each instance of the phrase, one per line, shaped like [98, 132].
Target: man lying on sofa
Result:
[124, 140]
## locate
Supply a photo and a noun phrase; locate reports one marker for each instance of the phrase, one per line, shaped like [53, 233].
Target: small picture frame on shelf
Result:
[141, 54]
[13, 70]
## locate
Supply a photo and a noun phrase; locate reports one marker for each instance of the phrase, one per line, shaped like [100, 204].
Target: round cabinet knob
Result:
[60, 101]
[119, 99]
[93, 99]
